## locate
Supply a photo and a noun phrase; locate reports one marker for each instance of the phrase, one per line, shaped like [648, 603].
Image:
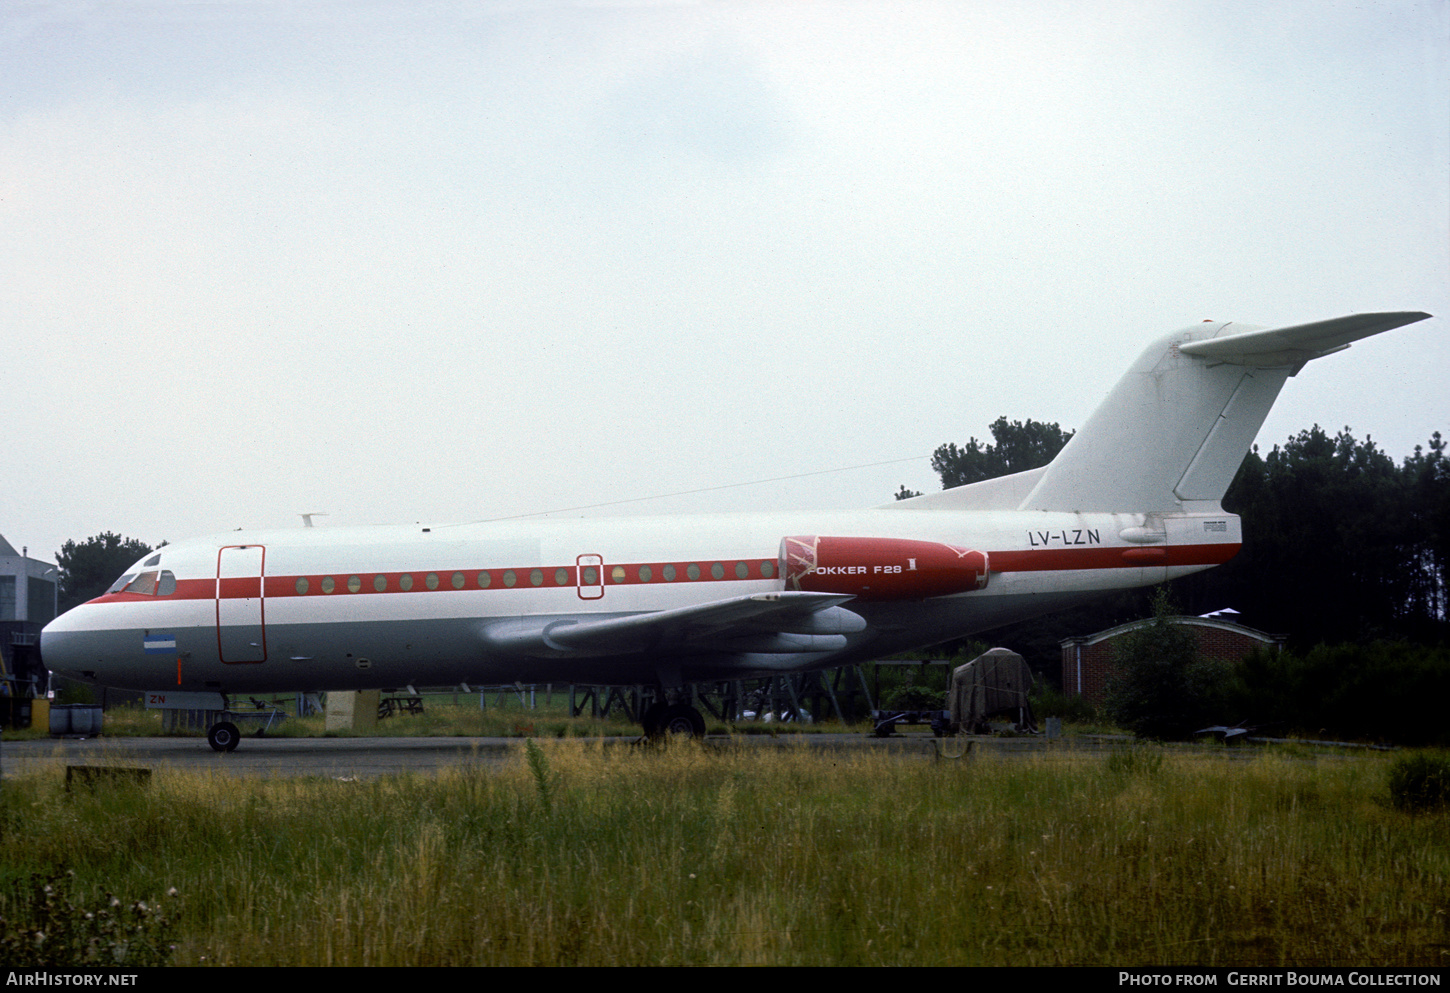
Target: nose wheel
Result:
[223, 736]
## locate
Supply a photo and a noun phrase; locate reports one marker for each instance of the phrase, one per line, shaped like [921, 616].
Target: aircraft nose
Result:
[62, 645]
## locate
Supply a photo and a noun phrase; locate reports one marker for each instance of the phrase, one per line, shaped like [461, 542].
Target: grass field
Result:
[580, 855]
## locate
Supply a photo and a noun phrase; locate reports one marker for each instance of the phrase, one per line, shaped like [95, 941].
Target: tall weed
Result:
[1420, 782]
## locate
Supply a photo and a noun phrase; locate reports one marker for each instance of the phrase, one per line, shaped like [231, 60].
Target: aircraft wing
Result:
[1297, 344]
[787, 621]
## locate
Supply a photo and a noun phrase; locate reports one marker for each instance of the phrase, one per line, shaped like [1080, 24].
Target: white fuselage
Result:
[375, 607]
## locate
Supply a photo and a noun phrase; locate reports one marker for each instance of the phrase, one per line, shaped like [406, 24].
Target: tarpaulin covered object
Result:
[994, 682]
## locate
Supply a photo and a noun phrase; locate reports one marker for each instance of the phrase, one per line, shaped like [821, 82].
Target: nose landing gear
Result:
[223, 736]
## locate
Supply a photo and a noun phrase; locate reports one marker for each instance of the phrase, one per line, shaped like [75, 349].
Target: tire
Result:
[223, 737]
[682, 719]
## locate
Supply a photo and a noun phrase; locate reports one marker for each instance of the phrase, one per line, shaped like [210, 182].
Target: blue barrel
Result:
[75, 718]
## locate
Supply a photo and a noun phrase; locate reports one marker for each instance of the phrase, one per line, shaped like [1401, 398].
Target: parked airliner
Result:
[1132, 500]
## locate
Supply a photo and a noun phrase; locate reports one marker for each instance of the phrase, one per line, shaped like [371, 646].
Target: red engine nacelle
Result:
[880, 568]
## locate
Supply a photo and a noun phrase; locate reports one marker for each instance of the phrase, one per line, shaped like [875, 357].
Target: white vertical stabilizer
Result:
[1175, 429]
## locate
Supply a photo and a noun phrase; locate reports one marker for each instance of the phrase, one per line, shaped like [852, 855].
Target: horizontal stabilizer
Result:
[1295, 345]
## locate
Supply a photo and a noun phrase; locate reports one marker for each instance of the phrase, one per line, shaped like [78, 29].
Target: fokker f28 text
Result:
[1132, 500]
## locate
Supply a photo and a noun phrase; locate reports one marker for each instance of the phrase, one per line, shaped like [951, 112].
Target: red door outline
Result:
[587, 590]
[241, 634]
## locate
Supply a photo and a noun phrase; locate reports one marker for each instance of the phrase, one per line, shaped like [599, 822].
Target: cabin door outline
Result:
[590, 567]
[240, 608]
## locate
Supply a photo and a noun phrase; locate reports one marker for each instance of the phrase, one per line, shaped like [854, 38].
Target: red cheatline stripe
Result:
[651, 573]
[1098, 557]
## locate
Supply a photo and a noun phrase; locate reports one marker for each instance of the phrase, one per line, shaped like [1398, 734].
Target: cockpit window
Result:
[153, 560]
[151, 583]
[144, 583]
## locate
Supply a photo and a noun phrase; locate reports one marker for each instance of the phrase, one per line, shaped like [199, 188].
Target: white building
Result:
[29, 591]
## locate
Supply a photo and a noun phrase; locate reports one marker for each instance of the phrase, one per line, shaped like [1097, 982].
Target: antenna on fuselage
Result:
[307, 518]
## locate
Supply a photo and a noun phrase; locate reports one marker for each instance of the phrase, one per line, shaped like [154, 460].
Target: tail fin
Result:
[1176, 427]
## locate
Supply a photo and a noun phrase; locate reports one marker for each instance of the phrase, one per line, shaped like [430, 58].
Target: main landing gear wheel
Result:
[223, 736]
[681, 719]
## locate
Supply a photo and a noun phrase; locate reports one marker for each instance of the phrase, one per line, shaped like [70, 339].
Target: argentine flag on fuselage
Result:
[159, 644]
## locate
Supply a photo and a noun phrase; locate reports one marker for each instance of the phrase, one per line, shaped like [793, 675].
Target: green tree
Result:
[1385, 690]
[1162, 686]
[1427, 477]
[1017, 446]
[88, 569]
[1340, 544]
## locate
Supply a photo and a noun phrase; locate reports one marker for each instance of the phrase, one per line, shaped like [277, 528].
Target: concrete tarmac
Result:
[268, 757]
[368, 757]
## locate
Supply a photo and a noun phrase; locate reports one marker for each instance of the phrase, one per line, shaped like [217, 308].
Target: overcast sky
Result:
[405, 261]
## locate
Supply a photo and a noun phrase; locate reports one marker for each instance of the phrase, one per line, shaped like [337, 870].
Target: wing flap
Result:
[803, 619]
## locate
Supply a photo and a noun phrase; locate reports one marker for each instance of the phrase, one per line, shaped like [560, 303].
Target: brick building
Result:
[1087, 659]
